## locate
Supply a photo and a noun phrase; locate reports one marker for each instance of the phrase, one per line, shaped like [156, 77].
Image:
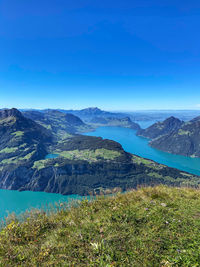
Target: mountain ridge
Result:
[83, 164]
[125, 122]
[60, 123]
[161, 128]
[183, 141]
[175, 136]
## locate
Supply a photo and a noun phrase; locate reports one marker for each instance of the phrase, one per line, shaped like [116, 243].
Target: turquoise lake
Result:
[14, 201]
[139, 146]
[18, 202]
[51, 156]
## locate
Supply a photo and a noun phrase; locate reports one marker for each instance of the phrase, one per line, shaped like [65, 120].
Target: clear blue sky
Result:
[117, 55]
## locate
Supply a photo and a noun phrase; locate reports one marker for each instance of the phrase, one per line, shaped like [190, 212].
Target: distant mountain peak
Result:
[13, 112]
[93, 109]
[182, 141]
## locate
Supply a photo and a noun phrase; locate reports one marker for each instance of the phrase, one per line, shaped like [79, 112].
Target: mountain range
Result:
[125, 122]
[161, 128]
[88, 114]
[63, 122]
[175, 136]
[59, 123]
[80, 164]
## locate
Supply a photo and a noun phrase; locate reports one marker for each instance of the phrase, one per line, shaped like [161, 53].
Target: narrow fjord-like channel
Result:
[139, 146]
[14, 201]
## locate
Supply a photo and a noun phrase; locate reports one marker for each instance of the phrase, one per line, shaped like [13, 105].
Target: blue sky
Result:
[117, 55]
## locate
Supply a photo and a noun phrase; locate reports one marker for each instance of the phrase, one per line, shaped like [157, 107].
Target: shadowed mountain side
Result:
[175, 136]
[184, 141]
[58, 122]
[161, 128]
[21, 138]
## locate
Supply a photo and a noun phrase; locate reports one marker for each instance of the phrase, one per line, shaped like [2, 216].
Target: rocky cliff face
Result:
[161, 128]
[82, 177]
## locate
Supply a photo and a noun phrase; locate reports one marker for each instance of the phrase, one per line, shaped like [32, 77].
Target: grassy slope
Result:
[149, 227]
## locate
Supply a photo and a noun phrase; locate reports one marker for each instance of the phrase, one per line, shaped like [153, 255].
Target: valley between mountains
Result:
[83, 164]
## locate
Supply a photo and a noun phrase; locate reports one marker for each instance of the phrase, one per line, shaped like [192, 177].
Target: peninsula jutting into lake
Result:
[48, 151]
[99, 133]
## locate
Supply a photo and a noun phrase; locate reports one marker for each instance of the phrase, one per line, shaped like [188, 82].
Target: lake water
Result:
[145, 124]
[14, 201]
[139, 146]
[52, 156]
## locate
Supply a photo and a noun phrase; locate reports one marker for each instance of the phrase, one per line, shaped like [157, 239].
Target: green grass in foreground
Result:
[150, 227]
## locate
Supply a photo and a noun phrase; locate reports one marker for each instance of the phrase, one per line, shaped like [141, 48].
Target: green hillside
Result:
[150, 227]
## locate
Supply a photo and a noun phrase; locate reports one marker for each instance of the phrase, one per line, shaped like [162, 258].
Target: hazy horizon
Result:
[110, 110]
